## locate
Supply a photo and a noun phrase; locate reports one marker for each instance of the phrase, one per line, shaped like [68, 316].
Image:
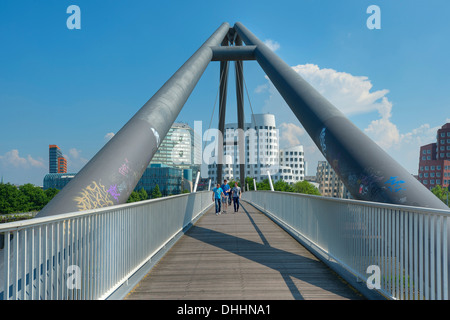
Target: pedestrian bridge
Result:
[278, 246]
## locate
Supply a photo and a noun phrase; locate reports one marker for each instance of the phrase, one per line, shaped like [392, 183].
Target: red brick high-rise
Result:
[434, 161]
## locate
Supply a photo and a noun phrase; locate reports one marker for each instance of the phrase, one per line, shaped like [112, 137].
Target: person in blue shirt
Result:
[217, 195]
[226, 191]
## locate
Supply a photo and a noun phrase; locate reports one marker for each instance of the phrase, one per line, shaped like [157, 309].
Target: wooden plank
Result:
[242, 255]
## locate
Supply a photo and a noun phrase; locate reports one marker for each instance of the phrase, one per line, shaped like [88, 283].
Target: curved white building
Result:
[261, 153]
[292, 162]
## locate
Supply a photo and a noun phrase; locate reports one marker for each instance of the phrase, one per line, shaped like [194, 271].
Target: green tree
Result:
[305, 187]
[283, 186]
[24, 198]
[134, 197]
[441, 193]
[249, 182]
[12, 199]
[143, 194]
[35, 197]
[50, 193]
[156, 193]
[263, 185]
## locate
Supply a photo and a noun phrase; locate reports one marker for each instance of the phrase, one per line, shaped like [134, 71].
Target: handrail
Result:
[90, 254]
[407, 246]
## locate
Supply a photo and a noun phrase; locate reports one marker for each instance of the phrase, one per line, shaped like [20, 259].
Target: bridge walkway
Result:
[240, 256]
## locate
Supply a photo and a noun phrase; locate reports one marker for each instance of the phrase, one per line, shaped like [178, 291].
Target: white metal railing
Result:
[408, 246]
[88, 255]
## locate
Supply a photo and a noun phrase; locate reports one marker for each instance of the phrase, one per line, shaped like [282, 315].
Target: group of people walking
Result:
[224, 194]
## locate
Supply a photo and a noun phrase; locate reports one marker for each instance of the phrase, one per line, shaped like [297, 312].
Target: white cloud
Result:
[353, 95]
[273, 45]
[74, 153]
[261, 88]
[109, 135]
[290, 135]
[350, 94]
[383, 131]
[12, 158]
[75, 161]
[35, 163]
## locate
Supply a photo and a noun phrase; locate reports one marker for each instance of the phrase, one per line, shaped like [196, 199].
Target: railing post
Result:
[270, 180]
[196, 181]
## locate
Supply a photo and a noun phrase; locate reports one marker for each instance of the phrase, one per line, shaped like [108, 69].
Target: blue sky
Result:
[74, 87]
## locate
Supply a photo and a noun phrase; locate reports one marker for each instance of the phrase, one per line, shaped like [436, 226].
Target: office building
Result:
[177, 149]
[57, 180]
[292, 164]
[434, 161]
[170, 180]
[57, 163]
[330, 185]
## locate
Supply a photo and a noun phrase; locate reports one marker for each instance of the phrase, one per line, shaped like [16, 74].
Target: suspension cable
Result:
[223, 75]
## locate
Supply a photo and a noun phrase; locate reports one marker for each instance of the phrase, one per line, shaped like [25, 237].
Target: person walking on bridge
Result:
[226, 190]
[217, 198]
[236, 196]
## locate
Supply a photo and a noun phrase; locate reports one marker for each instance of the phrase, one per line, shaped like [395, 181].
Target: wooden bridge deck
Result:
[238, 256]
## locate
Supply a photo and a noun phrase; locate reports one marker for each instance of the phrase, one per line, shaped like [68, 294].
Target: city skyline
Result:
[76, 88]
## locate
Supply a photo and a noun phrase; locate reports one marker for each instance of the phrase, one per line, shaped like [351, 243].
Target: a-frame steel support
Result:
[367, 171]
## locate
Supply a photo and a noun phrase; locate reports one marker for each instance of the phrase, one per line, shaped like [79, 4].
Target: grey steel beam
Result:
[233, 53]
[239, 71]
[368, 172]
[223, 87]
[112, 174]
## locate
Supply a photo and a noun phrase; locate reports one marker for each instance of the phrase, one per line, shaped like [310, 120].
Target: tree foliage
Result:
[283, 186]
[156, 193]
[143, 194]
[25, 198]
[134, 197]
[138, 196]
[306, 188]
[441, 193]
